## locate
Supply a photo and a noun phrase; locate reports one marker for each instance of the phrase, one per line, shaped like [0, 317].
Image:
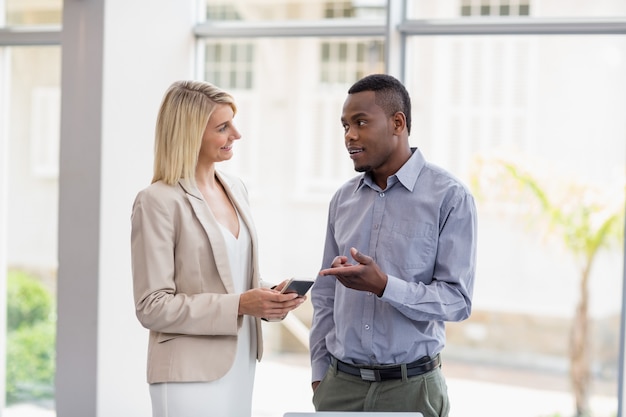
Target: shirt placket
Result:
[367, 324]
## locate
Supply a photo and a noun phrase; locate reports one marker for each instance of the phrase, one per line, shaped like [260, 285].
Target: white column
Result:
[79, 208]
[395, 52]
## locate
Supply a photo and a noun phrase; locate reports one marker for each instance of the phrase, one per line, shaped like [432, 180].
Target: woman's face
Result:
[219, 135]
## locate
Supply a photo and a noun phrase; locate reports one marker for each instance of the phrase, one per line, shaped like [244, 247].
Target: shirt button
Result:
[367, 327]
[369, 293]
[375, 227]
[381, 195]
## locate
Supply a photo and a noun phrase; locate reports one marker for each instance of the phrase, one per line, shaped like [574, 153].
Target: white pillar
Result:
[79, 208]
[395, 52]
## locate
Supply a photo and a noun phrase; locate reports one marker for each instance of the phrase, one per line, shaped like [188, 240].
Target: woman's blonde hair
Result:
[181, 122]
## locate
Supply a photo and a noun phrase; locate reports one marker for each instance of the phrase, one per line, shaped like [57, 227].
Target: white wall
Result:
[148, 45]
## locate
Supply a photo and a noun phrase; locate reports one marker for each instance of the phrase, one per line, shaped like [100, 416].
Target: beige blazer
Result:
[182, 282]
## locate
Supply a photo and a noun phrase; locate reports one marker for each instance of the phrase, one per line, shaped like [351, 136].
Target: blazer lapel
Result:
[211, 227]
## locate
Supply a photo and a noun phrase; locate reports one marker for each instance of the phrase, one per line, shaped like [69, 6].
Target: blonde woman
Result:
[194, 248]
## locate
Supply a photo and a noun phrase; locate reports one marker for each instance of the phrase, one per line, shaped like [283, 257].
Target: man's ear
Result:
[399, 122]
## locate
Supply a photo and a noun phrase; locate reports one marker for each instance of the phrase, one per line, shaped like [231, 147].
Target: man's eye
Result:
[361, 122]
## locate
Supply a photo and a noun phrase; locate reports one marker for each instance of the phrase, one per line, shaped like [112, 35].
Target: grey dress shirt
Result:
[421, 230]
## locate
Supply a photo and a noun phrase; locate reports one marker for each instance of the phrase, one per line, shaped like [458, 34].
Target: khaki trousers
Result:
[426, 393]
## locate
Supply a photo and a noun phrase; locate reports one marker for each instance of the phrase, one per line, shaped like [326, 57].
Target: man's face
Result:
[368, 132]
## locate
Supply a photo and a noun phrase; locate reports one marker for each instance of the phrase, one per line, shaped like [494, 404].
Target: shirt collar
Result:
[406, 175]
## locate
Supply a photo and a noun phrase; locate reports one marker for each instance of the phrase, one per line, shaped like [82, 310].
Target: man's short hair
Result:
[390, 94]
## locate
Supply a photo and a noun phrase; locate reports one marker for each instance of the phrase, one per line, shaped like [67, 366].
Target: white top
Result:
[233, 392]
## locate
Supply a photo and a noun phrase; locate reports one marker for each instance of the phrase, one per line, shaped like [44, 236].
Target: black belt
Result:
[386, 372]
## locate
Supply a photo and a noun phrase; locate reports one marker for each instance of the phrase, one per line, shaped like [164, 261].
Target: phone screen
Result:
[300, 286]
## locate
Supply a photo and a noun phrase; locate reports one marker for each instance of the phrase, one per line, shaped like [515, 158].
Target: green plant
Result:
[30, 362]
[31, 332]
[585, 217]
[28, 301]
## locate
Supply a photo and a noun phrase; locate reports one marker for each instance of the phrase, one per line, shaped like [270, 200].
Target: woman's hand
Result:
[267, 303]
[280, 286]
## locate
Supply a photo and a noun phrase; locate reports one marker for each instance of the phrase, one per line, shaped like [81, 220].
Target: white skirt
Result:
[229, 396]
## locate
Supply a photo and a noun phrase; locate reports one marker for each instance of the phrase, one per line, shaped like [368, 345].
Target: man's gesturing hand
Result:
[365, 275]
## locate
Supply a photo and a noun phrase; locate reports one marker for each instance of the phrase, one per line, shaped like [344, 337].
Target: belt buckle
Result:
[370, 374]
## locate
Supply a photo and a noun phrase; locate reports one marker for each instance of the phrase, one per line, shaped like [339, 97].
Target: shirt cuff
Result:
[395, 289]
[318, 371]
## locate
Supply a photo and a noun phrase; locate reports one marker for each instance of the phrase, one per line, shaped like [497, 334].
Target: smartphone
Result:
[300, 286]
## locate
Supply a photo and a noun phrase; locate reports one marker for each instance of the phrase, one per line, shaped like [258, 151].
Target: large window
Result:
[29, 144]
[536, 101]
[30, 200]
[30, 168]
[532, 102]
[304, 120]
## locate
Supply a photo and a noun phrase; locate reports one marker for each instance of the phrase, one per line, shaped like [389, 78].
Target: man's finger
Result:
[359, 257]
